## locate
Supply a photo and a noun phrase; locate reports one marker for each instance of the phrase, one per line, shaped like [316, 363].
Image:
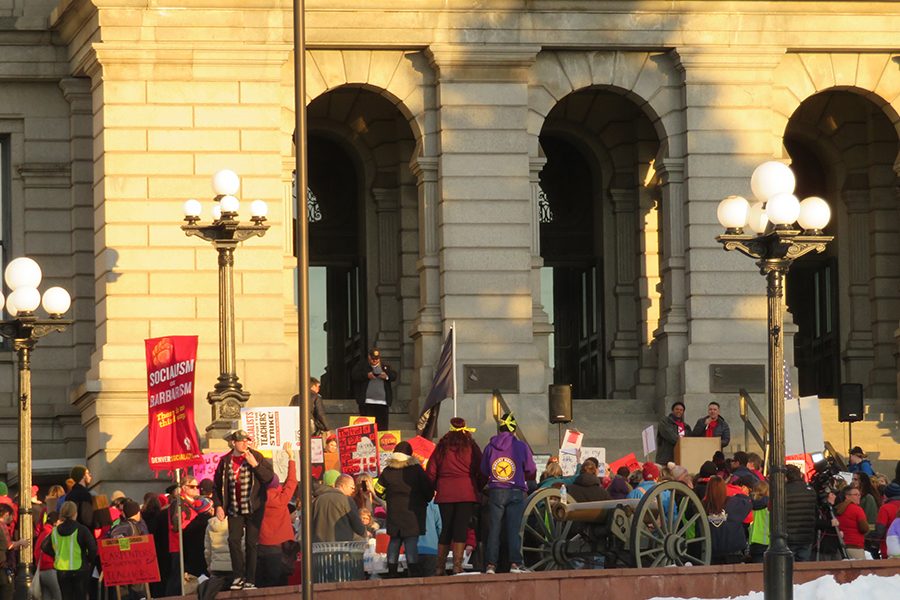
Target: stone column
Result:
[672, 334]
[543, 328]
[426, 331]
[728, 98]
[624, 351]
[859, 353]
[387, 259]
[486, 224]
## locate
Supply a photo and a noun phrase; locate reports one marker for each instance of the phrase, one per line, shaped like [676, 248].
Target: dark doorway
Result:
[812, 292]
[337, 276]
[572, 263]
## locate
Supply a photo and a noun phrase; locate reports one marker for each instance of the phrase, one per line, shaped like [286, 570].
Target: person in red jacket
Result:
[454, 471]
[276, 528]
[49, 583]
[853, 523]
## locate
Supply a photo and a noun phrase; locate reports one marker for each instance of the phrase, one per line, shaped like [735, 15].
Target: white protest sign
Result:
[568, 461]
[271, 427]
[648, 437]
[594, 452]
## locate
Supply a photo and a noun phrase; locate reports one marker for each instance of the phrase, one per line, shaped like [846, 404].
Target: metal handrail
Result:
[749, 406]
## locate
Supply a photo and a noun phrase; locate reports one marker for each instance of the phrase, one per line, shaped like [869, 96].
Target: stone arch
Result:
[403, 77]
[647, 78]
[802, 75]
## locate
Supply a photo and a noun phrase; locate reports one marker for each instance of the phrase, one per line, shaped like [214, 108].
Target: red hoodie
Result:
[276, 524]
[43, 560]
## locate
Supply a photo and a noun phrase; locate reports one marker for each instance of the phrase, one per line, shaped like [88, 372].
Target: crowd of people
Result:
[240, 529]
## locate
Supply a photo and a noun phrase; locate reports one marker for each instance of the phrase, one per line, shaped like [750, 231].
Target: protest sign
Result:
[594, 452]
[630, 461]
[386, 442]
[129, 560]
[568, 461]
[572, 439]
[173, 442]
[207, 469]
[804, 462]
[270, 427]
[358, 449]
[541, 461]
[359, 420]
[648, 438]
[422, 449]
[317, 457]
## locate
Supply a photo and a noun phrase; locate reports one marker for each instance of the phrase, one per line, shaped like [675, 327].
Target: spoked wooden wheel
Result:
[547, 543]
[669, 527]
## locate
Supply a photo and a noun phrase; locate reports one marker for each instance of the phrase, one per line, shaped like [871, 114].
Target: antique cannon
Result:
[667, 526]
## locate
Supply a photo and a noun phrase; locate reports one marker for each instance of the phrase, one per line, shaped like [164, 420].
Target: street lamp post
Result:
[775, 242]
[225, 233]
[24, 329]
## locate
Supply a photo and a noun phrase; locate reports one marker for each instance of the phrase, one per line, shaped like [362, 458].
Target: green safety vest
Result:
[67, 550]
[759, 528]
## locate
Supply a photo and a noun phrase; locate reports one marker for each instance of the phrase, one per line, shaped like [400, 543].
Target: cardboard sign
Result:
[422, 449]
[594, 452]
[629, 461]
[172, 434]
[317, 457]
[541, 461]
[386, 442]
[804, 462]
[572, 439]
[129, 560]
[207, 469]
[648, 437]
[359, 420]
[569, 461]
[358, 449]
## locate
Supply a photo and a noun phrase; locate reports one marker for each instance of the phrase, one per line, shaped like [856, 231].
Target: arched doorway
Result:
[595, 194]
[845, 302]
[363, 236]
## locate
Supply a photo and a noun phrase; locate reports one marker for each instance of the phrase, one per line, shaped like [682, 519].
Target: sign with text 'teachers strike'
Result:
[170, 394]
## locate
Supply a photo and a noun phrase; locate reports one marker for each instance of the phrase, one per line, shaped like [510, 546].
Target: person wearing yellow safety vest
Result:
[73, 549]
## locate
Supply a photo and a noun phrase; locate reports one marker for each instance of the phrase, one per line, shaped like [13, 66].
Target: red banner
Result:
[170, 391]
[629, 461]
[358, 449]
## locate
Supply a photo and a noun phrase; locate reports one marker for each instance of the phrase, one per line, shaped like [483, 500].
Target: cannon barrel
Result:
[590, 512]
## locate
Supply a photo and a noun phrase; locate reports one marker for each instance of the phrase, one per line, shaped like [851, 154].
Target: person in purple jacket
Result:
[507, 463]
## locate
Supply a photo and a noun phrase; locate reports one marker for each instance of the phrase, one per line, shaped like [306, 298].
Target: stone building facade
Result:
[543, 174]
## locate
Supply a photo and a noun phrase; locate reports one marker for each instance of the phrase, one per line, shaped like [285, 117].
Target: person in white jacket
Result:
[218, 559]
[893, 539]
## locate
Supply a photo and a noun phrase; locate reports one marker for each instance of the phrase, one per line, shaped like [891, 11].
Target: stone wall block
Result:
[577, 68]
[382, 66]
[315, 81]
[356, 65]
[870, 69]
[548, 72]
[628, 68]
[820, 70]
[845, 67]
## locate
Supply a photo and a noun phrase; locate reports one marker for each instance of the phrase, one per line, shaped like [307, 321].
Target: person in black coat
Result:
[669, 430]
[372, 388]
[406, 489]
[712, 425]
[800, 509]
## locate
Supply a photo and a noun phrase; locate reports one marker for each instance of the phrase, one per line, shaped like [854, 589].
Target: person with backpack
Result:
[73, 549]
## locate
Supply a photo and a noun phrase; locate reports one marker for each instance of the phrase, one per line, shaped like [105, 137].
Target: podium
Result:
[692, 452]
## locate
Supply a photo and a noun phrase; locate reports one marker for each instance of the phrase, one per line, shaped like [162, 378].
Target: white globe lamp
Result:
[56, 301]
[757, 220]
[226, 183]
[22, 272]
[772, 178]
[732, 214]
[783, 210]
[26, 299]
[814, 215]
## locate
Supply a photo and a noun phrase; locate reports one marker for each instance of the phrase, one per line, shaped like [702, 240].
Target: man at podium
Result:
[713, 425]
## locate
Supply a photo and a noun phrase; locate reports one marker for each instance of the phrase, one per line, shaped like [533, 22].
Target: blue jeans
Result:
[410, 546]
[505, 509]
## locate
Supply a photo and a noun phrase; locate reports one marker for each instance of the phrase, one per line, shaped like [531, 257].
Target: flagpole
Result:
[453, 363]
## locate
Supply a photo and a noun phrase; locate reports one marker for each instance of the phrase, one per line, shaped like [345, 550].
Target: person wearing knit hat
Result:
[132, 524]
[650, 473]
[454, 471]
[887, 513]
[406, 491]
[330, 476]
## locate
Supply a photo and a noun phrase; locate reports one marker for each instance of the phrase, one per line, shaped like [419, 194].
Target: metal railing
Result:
[759, 431]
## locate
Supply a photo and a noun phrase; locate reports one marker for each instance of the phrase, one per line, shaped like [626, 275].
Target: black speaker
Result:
[560, 403]
[850, 403]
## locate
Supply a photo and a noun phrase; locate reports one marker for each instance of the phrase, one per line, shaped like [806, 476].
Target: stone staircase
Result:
[612, 424]
[878, 433]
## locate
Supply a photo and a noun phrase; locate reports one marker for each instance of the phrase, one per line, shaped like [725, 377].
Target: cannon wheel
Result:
[662, 524]
[547, 544]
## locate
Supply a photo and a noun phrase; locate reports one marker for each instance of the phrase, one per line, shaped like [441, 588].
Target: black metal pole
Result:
[306, 588]
[778, 562]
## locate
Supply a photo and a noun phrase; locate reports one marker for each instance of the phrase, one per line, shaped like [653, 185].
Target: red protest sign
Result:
[358, 449]
[629, 461]
[129, 560]
[422, 448]
[170, 394]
